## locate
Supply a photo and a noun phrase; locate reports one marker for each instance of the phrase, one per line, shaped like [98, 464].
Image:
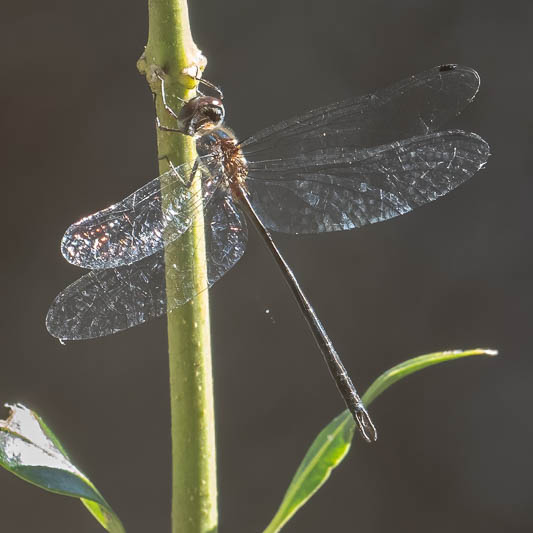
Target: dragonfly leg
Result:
[170, 164]
[169, 110]
[165, 128]
[193, 173]
[157, 121]
[207, 83]
[174, 169]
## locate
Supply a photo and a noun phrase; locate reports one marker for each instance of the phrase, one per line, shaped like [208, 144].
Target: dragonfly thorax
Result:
[222, 144]
[200, 115]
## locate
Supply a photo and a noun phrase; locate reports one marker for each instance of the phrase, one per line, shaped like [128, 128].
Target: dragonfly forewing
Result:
[142, 223]
[417, 105]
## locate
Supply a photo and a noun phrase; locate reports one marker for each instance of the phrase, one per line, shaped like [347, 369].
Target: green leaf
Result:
[333, 442]
[30, 450]
[326, 452]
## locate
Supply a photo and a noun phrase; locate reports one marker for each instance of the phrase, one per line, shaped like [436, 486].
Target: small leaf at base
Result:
[30, 450]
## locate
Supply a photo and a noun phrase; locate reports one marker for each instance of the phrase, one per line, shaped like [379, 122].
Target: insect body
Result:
[339, 167]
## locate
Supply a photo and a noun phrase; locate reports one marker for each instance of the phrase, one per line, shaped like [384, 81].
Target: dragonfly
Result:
[339, 167]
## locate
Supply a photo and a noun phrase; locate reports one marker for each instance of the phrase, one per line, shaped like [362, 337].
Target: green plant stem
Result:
[170, 49]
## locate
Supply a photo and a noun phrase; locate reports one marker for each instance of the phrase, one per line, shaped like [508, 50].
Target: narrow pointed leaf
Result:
[410, 366]
[332, 444]
[30, 450]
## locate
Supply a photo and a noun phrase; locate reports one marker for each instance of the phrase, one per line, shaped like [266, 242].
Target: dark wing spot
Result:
[445, 68]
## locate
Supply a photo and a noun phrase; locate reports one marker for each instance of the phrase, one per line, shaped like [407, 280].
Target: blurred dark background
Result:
[77, 133]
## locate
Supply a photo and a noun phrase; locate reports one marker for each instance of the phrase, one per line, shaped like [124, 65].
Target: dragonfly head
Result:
[201, 115]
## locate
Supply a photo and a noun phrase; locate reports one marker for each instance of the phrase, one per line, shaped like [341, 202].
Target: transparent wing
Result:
[140, 225]
[107, 301]
[415, 106]
[339, 190]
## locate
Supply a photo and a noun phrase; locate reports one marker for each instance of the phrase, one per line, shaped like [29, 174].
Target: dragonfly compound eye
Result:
[200, 115]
